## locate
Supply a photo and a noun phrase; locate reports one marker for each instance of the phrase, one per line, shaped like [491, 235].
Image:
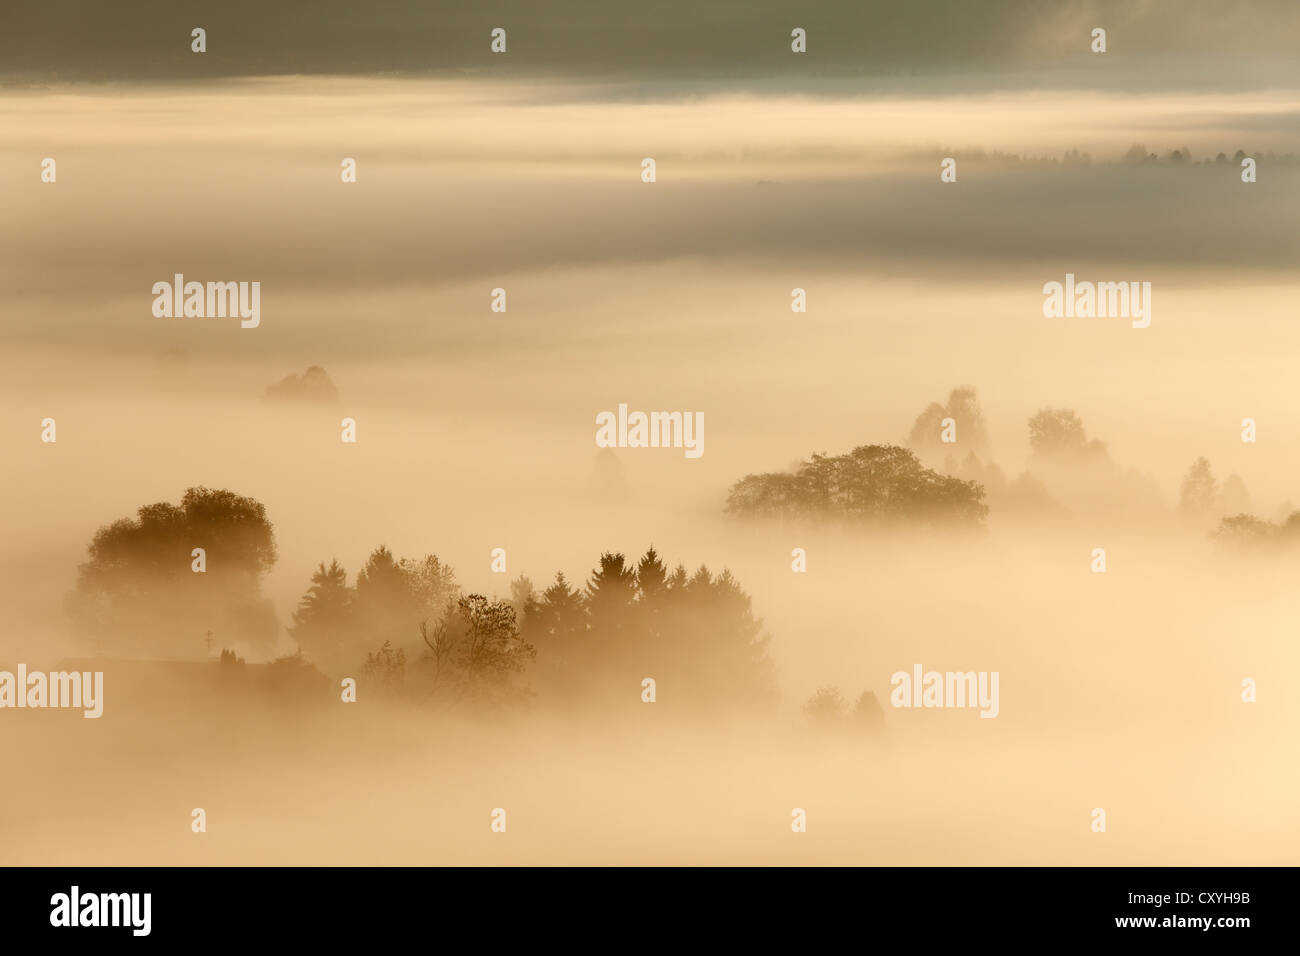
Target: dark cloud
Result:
[726, 41]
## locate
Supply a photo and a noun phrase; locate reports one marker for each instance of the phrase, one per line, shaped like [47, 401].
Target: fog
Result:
[1119, 690]
[1119, 694]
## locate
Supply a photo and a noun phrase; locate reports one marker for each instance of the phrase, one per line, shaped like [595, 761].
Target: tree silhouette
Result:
[385, 670]
[313, 385]
[1057, 432]
[1245, 532]
[1200, 492]
[562, 613]
[392, 596]
[611, 590]
[523, 598]
[387, 607]
[770, 495]
[292, 678]
[963, 408]
[696, 634]
[429, 583]
[139, 586]
[591, 646]
[337, 625]
[826, 707]
[651, 578]
[557, 626]
[475, 651]
[868, 716]
[828, 710]
[323, 621]
[716, 647]
[871, 484]
[1081, 475]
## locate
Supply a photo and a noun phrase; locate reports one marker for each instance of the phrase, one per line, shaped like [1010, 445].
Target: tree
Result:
[775, 494]
[611, 589]
[1137, 153]
[1245, 532]
[1083, 477]
[523, 598]
[323, 621]
[475, 651]
[393, 596]
[1200, 492]
[828, 710]
[562, 613]
[383, 589]
[868, 716]
[927, 431]
[652, 597]
[871, 484]
[385, 670]
[557, 625]
[717, 648]
[338, 625]
[142, 585]
[386, 607]
[695, 633]
[292, 678]
[313, 385]
[430, 584]
[651, 577]
[1057, 432]
[963, 408]
[826, 707]
[1249, 533]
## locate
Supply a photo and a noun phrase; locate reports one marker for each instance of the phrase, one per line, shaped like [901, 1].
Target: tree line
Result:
[408, 629]
[946, 476]
[694, 634]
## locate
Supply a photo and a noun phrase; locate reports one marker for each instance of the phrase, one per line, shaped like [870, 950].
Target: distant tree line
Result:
[946, 477]
[337, 623]
[828, 709]
[1251, 533]
[872, 484]
[405, 626]
[695, 635]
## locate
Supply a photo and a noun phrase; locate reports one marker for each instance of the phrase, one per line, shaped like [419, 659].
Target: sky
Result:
[726, 42]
